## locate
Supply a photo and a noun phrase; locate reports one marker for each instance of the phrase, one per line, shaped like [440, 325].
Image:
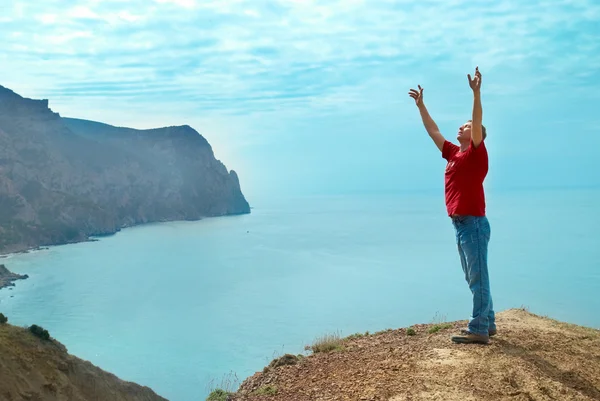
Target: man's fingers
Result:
[469, 76]
[416, 94]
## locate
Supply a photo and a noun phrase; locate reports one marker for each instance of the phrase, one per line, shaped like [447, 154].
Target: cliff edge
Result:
[531, 358]
[36, 369]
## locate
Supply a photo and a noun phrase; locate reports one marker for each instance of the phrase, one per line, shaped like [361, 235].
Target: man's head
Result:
[464, 132]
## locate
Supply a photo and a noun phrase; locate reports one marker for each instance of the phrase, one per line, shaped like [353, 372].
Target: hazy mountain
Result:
[62, 179]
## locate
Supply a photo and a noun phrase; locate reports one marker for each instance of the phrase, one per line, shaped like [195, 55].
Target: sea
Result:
[186, 307]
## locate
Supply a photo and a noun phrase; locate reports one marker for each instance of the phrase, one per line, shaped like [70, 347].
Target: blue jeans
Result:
[472, 238]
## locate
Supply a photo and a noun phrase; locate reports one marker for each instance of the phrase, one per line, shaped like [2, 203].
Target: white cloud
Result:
[18, 9]
[181, 3]
[60, 39]
[47, 18]
[252, 13]
[82, 12]
[127, 16]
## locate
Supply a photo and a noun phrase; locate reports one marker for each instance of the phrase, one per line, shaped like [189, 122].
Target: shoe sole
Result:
[462, 340]
[490, 333]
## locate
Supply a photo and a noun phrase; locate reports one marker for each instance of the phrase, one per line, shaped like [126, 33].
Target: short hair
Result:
[483, 130]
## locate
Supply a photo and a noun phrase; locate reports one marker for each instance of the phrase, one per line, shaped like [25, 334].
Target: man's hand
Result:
[476, 127]
[475, 83]
[417, 95]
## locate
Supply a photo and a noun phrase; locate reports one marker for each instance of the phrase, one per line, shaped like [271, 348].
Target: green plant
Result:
[410, 331]
[326, 343]
[267, 390]
[39, 332]
[355, 335]
[3, 319]
[438, 327]
[218, 395]
[439, 322]
[287, 359]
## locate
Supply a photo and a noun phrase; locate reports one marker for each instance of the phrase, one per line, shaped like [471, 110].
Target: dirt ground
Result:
[531, 358]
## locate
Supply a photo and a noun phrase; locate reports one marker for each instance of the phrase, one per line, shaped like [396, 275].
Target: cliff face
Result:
[8, 278]
[62, 180]
[34, 369]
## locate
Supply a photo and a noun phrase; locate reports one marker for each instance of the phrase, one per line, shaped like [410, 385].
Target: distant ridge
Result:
[63, 180]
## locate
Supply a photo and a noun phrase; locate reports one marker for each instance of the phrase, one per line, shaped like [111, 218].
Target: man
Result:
[465, 202]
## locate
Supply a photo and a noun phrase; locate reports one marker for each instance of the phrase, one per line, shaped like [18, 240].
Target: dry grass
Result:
[228, 384]
[327, 343]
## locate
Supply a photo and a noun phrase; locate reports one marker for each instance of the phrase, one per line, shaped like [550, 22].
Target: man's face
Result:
[464, 132]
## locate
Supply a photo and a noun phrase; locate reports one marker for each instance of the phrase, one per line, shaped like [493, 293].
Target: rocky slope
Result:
[63, 180]
[7, 278]
[35, 369]
[531, 358]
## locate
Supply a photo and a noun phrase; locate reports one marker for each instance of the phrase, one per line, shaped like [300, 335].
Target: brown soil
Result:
[35, 370]
[531, 358]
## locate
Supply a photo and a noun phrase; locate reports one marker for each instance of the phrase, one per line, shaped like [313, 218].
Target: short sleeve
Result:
[479, 151]
[449, 149]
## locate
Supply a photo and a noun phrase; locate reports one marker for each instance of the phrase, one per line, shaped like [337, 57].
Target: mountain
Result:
[35, 369]
[63, 180]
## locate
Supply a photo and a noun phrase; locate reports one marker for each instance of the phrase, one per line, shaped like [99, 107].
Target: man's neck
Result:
[464, 146]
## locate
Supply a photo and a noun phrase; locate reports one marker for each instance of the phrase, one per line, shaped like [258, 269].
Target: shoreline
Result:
[8, 278]
[23, 252]
[24, 249]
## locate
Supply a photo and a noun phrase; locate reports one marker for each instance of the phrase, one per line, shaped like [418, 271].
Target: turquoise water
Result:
[177, 306]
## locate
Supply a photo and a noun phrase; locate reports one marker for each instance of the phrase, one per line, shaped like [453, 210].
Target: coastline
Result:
[23, 249]
[8, 278]
[93, 237]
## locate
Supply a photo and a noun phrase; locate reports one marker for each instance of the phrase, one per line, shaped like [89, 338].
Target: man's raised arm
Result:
[476, 128]
[430, 125]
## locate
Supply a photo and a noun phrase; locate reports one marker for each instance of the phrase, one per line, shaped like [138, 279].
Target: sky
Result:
[310, 97]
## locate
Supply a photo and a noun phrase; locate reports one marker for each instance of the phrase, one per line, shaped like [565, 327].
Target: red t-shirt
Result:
[465, 173]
